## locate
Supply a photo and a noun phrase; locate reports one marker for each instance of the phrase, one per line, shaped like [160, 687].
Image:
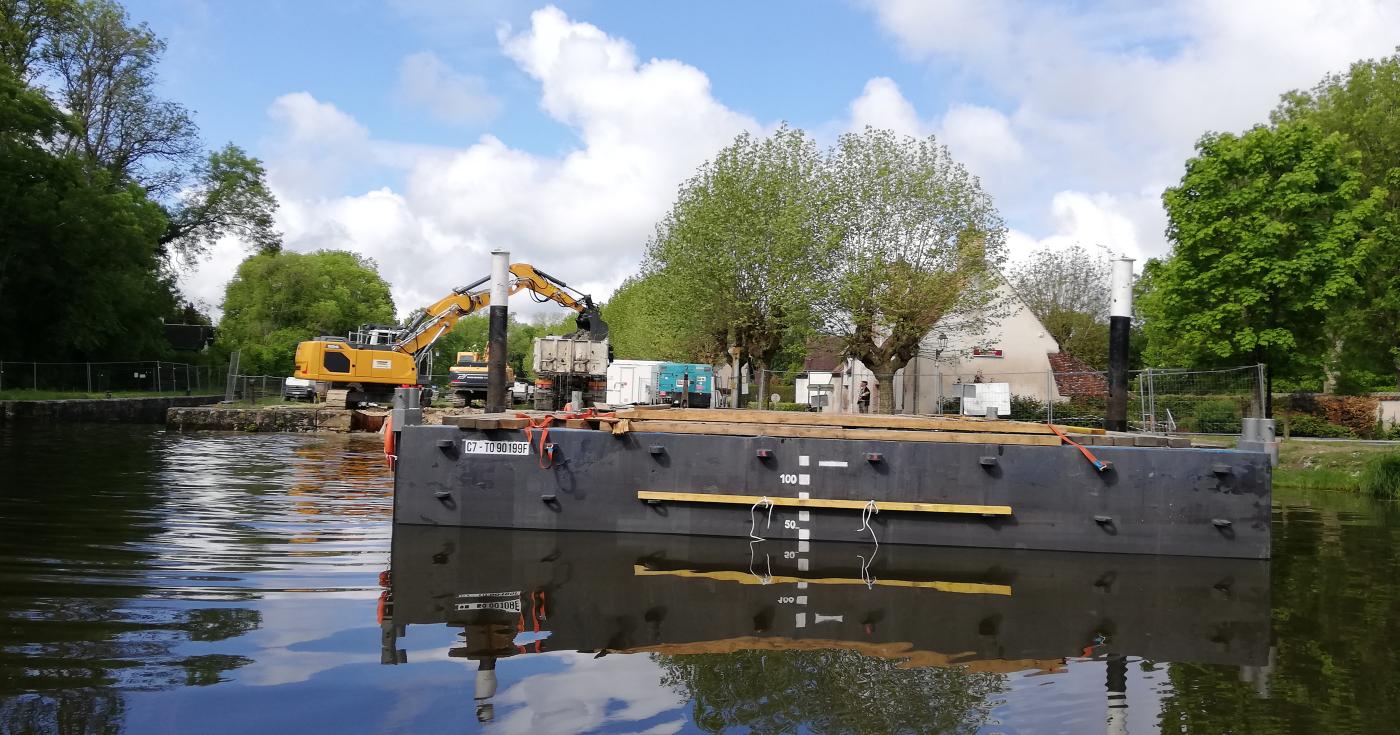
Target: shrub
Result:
[1302, 424]
[1381, 476]
[1216, 417]
[1027, 408]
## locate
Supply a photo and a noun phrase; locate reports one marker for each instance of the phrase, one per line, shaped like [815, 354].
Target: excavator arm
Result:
[439, 318]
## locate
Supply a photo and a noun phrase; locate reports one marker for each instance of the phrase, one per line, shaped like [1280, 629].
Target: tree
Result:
[646, 324]
[919, 242]
[738, 259]
[1068, 291]
[229, 197]
[1266, 229]
[277, 300]
[79, 268]
[25, 25]
[827, 691]
[1363, 105]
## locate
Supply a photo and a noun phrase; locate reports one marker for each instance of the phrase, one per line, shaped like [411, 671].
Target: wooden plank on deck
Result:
[835, 432]
[866, 421]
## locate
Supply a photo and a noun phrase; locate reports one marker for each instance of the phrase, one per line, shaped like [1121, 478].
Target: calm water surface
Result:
[154, 582]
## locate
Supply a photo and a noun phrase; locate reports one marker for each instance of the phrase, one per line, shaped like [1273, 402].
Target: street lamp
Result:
[938, 367]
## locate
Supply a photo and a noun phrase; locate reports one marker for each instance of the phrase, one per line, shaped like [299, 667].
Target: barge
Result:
[802, 478]
[512, 593]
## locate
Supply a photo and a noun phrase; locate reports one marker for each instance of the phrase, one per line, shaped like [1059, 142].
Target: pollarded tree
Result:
[1068, 291]
[920, 241]
[739, 258]
[1266, 229]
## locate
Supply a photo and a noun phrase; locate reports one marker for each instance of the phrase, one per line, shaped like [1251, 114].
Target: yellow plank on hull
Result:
[962, 588]
[983, 510]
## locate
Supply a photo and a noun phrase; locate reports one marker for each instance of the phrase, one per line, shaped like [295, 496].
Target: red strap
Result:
[1099, 465]
[543, 425]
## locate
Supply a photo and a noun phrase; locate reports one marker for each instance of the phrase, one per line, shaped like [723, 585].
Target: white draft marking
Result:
[804, 546]
[804, 515]
[802, 599]
[803, 460]
[804, 534]
[801, 565]
[802, 585]
[804, 479]
[831, 463]
[819, 618]
[802, 620]
[804, 495]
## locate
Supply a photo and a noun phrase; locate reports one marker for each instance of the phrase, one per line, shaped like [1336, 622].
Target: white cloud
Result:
[448, 95]
[1110, 97]
[1093, 221]
[583, 215]
[882, 105]
[588, 694]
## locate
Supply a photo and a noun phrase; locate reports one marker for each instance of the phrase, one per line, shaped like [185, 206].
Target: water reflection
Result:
[755, 642]
[154, 582]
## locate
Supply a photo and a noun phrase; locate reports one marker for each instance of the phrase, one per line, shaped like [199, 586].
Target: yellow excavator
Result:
[369, 365]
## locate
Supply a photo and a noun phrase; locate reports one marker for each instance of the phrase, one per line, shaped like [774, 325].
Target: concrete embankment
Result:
[272, 419]
[102, 410]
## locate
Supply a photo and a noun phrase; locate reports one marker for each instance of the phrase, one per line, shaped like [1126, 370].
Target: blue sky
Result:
[423, 133]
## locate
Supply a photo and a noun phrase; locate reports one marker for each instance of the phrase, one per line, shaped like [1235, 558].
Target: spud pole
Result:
[496, 333]
[1120, 320]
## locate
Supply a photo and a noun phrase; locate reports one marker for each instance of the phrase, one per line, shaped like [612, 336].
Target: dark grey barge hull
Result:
[993, 610]
[1189, 502]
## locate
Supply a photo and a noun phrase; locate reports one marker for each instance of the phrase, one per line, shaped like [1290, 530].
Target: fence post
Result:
[35, 366]
[1050, 396]
[1260, 382]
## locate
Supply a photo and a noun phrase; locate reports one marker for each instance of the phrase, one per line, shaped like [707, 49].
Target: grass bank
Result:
[1327, 465]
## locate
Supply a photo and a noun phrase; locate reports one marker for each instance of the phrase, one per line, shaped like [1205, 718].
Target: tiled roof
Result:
[1073, 377]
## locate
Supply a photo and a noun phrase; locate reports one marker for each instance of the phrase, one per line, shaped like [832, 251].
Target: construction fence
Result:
[145, 377]
[1159, 400]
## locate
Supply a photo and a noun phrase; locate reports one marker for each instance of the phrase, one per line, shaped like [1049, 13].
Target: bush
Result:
[1381, 476]
[780, 406]
[1027, 408]
[1302, 424]
[1216, 417]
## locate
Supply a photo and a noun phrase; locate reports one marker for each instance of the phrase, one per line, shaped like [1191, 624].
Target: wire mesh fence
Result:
[19, 380]
[1159, 400]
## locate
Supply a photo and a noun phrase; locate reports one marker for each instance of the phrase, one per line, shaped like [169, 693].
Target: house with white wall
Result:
[1015, 349]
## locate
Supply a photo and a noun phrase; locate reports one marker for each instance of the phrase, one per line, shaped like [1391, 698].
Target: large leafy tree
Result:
[920, 240]
[1267, 229]
[1363, 105]
[276, 300]
[739, 258]
[79, 264]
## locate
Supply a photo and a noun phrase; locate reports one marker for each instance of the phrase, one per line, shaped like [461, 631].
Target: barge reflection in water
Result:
[754, 641]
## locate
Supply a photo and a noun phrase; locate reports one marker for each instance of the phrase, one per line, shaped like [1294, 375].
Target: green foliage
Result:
[277, 300]
[1213, 417]
[1267, 228]
[1080, 334]
[918, 235]
[1068, 291]
[646, 323]
[1027, 408]
[1381, 476]
[737, 261]
[229, 197]
[79, 269]
[1363, 105]
[832, 690]
[1302, 424]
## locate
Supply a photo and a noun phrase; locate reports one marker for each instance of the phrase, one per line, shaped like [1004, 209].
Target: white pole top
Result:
[1120, 301]
[500, 277]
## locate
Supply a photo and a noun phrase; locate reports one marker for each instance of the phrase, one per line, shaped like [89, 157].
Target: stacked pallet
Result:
[866, 427]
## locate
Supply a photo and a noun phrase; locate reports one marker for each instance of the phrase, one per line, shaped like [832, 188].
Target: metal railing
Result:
[1159, 400]
[19, 379]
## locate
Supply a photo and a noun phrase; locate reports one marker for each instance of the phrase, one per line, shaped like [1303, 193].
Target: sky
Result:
[426, 133]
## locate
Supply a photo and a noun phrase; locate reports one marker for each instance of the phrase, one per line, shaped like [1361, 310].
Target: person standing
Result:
[863, 400]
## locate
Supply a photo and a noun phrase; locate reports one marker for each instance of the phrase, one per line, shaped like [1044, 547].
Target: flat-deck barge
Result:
[821, 477]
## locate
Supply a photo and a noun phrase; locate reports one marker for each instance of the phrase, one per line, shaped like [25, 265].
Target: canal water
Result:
[153, 582]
